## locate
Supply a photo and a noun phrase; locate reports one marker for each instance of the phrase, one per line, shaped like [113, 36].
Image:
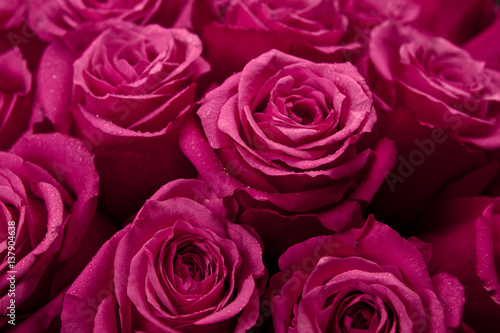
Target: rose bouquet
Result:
[250, 166]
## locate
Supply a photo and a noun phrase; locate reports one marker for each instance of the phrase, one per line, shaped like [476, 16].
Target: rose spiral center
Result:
[359, 317]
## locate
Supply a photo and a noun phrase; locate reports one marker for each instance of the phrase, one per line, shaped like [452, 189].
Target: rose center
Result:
[190, 265]
[358, 312]
[304, 113]
[359, 318]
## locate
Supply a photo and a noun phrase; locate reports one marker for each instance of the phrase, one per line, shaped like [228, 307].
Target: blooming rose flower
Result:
[440, 99]
[15, 100]
[362, 280]
[440, 82]
[124, 91]
[48, 197]
[311, 29]
[179, 267]
[284, 134]
[53, 18]
[463, 227]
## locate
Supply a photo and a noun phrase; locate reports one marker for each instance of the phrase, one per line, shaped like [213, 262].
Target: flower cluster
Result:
[249, 166]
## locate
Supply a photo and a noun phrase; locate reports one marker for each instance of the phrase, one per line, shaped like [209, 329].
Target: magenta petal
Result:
[484, 253]
[451, 294]
[88, 287]
[72, 164]
[54, 79]
[197, 149]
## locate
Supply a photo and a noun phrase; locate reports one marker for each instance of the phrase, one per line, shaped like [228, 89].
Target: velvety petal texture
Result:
[124, 90]
[48, 198]
[284, 133]
[179, 267]
[362, 280]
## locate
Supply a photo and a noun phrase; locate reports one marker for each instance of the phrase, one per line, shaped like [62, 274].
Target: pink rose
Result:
[440, 82]
[124, 90]
[444, 110]
[15, 97]
[369, 280]
[311, 29]
[180, 266]
[53, 18]
[286, 134]
[370, 13]
[463, 227]
[49, 227]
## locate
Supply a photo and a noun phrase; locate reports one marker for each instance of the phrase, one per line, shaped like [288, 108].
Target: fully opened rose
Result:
[363, 280]
[284, 133]
[49, 229]
[179, 267]
[311, 29]
[440, 82]
[124, 90]
[51, 19]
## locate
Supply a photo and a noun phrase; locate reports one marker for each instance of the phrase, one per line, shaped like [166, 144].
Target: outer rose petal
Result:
[54, 177]
[72, 165]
